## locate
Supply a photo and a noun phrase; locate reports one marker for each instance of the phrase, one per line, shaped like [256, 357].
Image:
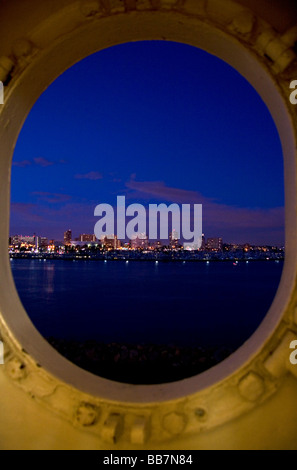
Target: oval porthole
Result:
[151, 122]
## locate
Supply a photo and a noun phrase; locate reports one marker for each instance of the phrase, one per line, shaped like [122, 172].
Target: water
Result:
[191, 304]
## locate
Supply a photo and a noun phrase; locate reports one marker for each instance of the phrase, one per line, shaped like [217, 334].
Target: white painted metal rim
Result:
[23, 93]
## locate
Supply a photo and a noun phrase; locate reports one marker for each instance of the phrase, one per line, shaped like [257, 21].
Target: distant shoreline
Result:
[140, 258]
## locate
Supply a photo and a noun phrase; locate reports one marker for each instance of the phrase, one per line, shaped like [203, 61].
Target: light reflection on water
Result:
[190, 303]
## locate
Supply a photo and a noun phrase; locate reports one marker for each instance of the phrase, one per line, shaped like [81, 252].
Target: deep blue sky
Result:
[157, 122]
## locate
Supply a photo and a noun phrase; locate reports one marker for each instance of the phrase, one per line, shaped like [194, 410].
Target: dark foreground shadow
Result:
[142, 364]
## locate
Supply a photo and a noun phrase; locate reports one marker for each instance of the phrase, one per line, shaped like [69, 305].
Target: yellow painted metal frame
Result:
[249, 400]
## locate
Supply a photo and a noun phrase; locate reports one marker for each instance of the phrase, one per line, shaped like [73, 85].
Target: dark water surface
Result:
[191, 304]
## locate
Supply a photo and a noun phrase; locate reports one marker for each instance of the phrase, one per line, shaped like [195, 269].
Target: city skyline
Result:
[160, 129]
[90, 239]
[139, 248]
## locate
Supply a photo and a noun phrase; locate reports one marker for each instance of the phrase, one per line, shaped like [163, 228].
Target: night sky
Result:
[156, 122]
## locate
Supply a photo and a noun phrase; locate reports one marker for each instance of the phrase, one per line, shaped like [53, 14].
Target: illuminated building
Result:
[139, 242]
[174, 240]
[37, 242]
[157, 245]
[110, 242]
[203, 244]
[17, 239]
[43, 241]
[68, 237]
[214, 244]
[87, 238]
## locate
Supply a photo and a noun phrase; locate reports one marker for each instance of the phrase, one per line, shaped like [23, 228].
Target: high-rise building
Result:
[110, 242]
[139, 241]
[37, 242]
[16, 239]
[68, 237]
[203, 244]
[30, 240]
[19, 239]
[84, 237]
[174, 240]
[191, 246]
[157, 245]
[214, 244]
[43, 241]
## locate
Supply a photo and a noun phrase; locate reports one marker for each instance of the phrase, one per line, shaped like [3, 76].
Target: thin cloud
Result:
[25, 211]
[92, 176]
[22, 164]
[215, 214]
[52, 221]
[43, 162]
[40, 161]
[53, 198]
[158, 190]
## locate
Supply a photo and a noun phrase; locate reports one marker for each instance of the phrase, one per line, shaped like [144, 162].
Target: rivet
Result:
[200, 413]
[16, 369]
[89, 7]
[86, 414]
[21, 48]
[112, 428]
[174, 423]
[243, 23]
[140, 430]
[251, 387]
